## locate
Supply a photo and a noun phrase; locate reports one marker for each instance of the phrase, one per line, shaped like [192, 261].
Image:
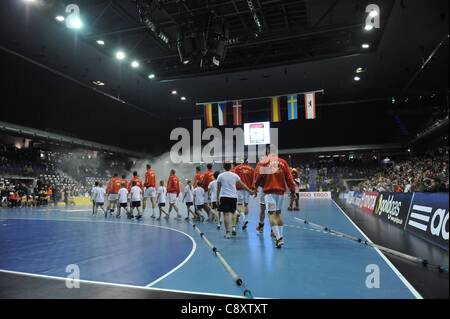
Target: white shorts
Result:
[243, 196]
[113, 197]
[172, 198]
[274, 202]
[150, 192]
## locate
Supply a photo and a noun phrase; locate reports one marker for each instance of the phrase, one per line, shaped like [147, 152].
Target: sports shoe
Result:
[233, 233]
[244, 227]
[186, 219]
[227, 235]
[138, 217]
[218, 227]
[279, 242]
[159, 218]
[153, 216]
[260, 228]
[272, 234]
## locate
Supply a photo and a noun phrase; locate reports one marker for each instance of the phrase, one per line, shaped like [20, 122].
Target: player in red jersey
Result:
[173, 189]
[112, 190]
[150, 189]
[246, 173]
[273, 174]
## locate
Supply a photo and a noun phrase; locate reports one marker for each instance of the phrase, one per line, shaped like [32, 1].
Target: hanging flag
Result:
[222, 113]
[208, 115]
[237, 113]
[275, 114]
[292, 106]
[310, 106]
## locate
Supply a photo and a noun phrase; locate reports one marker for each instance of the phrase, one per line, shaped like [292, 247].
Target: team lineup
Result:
[220, 196]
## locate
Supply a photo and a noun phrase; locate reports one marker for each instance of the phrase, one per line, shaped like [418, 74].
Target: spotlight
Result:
[360, 70]
[99, 83]
[368, 27]
[135, 64]
[365, 46]
[60, 18]
[174, 92]
[100, 42]
[357, 78]
[151, 76]
[393, 100]
[373, 13]
[120, 55]
[74, 23]
[183, 98]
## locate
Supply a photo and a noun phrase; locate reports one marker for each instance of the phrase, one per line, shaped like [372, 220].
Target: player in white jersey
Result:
[98, 197]
[161, 193]
[212, 190]
[188, 199]
[136, 199]
[123, 200]
[199, 202]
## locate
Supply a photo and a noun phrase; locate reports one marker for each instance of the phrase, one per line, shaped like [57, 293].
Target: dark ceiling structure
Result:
[273, 47]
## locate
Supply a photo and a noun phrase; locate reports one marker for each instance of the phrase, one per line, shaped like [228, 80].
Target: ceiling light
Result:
[74, 23]
[100, 42]
[120, 55]
[60, 18]
[151, 76]
[373, 13]
[174, 92]
[183, 98]
[365, 46]
[360, 70]
[135, 64]
[368, 27]
[356, 78]
[99, 83]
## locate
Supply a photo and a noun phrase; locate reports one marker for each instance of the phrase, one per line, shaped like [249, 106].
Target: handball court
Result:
[119, 258]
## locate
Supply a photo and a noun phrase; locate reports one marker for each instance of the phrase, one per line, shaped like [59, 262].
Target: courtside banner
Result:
[393, 207]
[368, 202]
[350, 197]
[315, 195]
[428, 218]
[357, 197]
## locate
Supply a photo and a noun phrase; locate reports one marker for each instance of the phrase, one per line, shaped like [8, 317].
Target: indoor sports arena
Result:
[224, 149]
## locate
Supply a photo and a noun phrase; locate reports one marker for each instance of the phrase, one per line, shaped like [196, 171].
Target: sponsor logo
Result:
[318, 195]
[391, 208]
[369, 201]
[424, 219]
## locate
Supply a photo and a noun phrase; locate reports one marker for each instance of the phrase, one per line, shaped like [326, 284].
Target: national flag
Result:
[222, 113]
[208, 115]
[237, 113]
[275, 110]
[310, 106]
[292, 107]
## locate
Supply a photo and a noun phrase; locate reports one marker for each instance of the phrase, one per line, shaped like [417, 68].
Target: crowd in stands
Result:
[426, 172]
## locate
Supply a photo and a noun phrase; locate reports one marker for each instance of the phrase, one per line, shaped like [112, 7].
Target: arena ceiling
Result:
[300, 46]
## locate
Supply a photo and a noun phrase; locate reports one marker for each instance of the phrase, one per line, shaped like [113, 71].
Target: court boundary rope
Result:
[236, 278]
[418, 260]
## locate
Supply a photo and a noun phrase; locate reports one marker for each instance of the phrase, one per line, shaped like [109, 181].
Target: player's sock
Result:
[276, 231]
[281, 230]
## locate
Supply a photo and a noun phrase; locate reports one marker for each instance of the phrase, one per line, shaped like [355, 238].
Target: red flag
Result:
[237, 113]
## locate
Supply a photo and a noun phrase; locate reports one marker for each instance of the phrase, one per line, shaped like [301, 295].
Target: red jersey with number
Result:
[173, 184]
[273, 174]
[208, 177]
[198, 179]
[246, 173]
[138, 183]
[114, 185]
[150, 178]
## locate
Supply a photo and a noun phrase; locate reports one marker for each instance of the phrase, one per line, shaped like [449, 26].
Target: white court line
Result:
[388, 262]
[194, 244]
[118, 285]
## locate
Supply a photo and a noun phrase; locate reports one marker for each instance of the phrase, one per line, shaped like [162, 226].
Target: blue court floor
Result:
[170, 255]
